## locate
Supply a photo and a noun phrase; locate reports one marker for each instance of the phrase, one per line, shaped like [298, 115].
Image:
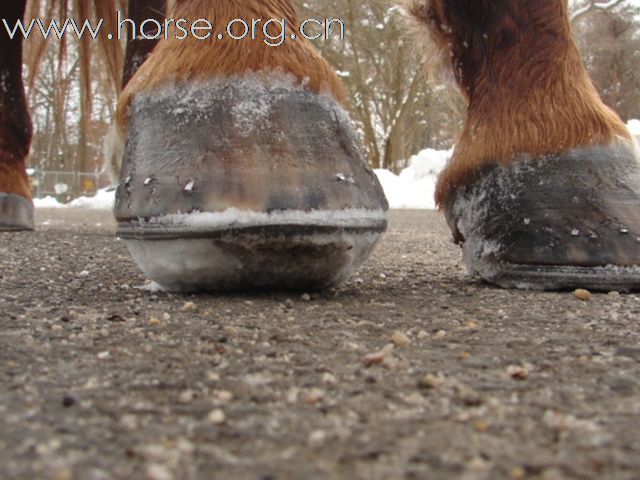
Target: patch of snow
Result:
[234, 217]
[103, 200]
[634, 127]
[151, 286]
[47, 202]
[415, 186]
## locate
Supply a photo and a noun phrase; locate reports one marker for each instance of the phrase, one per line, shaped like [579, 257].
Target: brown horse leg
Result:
[16, 207]
[543, 189]
[139, 49]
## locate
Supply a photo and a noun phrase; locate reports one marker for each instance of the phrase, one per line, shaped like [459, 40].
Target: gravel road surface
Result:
[411, 370]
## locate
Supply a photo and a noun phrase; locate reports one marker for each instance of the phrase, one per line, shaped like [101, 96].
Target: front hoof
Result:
[564, 221]
[235, 185]
[16, 213]
[237, 250]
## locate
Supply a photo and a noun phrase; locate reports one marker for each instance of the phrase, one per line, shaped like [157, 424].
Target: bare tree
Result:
[594, 5]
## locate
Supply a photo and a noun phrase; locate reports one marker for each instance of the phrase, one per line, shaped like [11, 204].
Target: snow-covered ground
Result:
[103, 200]
[634, 127]
[412, 188]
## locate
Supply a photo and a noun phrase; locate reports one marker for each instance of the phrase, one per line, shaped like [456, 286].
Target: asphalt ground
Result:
[102, 379]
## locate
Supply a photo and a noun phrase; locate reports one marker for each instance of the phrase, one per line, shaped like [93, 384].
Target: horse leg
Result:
[137, 51]
[241, 167]
[543, 189]
[139, 48]
[16, 207]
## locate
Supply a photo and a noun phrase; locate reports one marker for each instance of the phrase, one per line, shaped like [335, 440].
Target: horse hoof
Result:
[564, 221]
[16, 213]
[242, 185]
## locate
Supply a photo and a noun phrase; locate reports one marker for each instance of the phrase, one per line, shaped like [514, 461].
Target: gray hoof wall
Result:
[236, 185]
[564, 221]
[16, 213]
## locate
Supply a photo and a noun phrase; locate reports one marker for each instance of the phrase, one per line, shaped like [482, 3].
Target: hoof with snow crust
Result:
[16, 213]
[564, 221]
[236, 250]
[238, 184]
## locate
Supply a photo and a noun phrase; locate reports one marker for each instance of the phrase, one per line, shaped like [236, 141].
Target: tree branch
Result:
[594, 5]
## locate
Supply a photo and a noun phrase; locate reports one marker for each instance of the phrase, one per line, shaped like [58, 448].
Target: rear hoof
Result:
[564, 221]
[16, 213]
[234, 185]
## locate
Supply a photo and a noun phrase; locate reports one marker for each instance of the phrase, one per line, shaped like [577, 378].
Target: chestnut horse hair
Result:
[527, 88]
[192, 59]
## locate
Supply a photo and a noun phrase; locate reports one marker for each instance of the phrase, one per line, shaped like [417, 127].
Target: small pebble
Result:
[329, 378]
[518, 473]
[104, 355]
[378, 357]
[481, 426]
[216, 417]
[517, 372]
[186, 397]
[158, 472]
[292, 395]
[224, 396]
[440, 334]
[430, 381]
[63, 474]
[230, 331]
[422, 334]
[582, 294]
[305, 297]
[129, 422]
[317, 438]
[400, 339]
[154, 322]
[315, 395]
[188, 307]
[166, 317]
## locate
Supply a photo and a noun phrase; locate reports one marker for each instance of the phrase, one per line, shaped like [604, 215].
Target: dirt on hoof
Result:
[410, 370]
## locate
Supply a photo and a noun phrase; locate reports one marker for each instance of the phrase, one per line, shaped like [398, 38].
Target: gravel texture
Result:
[411, 370]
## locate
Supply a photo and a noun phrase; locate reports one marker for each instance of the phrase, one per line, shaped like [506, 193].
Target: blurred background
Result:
[399, 110]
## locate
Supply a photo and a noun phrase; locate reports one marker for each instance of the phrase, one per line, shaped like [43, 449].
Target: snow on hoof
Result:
[236, 249]
[240, 184]
[564, 221]
[16, 213]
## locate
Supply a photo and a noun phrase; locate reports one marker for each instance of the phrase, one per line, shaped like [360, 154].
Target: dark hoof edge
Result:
[244, 185]
[536, 277]
[16, 213]
[261, 256]
[564, 221]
